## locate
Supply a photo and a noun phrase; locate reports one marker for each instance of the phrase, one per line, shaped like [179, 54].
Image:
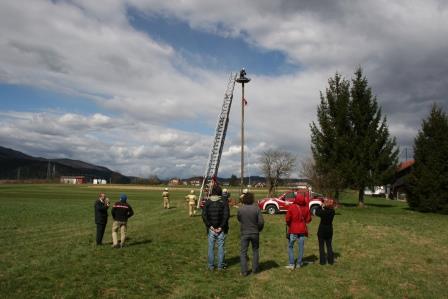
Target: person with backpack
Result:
[121, 212]
[215, 216]
[325, 231]
[297, 218]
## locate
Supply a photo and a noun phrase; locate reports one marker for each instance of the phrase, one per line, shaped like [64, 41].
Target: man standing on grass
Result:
[166, 198]
[215, 216]
[100, 207]
[251, 224]
[121, 212]
[191, 201]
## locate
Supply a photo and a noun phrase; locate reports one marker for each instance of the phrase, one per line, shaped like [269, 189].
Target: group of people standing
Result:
[121, 212]
[297, 218]
[215, 215]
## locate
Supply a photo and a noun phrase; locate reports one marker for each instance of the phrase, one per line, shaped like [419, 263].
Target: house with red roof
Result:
[399, 187]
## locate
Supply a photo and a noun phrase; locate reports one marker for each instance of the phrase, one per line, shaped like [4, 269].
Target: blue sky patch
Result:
[31, 99]
[210, 51]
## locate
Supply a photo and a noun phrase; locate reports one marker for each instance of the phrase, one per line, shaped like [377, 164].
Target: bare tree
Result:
[307, 170]
[322, 182]
[275, 165]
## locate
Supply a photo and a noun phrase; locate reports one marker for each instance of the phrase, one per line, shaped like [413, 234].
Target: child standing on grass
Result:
[297, 217]
[325, 231]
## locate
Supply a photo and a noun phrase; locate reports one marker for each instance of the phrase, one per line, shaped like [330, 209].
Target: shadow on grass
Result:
[233, 260]
[310, 259]
[267, 265]
[264, 266]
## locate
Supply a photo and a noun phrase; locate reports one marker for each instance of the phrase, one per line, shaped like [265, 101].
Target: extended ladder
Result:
[218, 143]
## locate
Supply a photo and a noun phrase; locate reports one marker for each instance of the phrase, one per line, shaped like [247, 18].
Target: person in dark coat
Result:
[121, 212]
[251, 224]
[215, 216]
[325, 231]
[100, 208]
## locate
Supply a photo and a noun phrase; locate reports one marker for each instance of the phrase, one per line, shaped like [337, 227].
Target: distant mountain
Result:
[17, 165]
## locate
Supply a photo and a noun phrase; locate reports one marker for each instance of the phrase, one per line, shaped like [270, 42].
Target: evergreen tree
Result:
[428, 184]
[330, 138]
[373, 152]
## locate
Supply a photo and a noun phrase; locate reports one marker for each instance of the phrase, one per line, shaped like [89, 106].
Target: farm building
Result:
[99, 181]
[174, 182]
[73, 179]
[399, 186]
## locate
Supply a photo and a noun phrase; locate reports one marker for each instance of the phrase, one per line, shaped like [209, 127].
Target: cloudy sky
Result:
[137, 85]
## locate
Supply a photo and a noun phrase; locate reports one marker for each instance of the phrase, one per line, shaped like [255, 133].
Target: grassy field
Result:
[47, 251]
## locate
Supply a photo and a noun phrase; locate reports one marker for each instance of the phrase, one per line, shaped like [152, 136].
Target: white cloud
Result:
[86, 48]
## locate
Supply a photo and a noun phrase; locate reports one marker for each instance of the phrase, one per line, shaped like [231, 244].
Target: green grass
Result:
[47, 250]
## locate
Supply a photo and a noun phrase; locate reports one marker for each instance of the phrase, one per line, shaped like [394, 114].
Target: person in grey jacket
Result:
[251, 224]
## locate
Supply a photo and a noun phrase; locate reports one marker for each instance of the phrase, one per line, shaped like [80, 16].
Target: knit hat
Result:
[123, 197]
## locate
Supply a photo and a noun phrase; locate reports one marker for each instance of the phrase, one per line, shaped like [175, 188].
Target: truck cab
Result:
[274, 205]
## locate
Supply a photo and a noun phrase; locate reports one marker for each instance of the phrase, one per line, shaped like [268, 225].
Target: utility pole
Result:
[242, 79]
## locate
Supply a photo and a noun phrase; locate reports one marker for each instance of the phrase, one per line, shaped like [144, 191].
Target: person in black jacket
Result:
[325, 231]
[215, 215]
[121, 212]
[100, 207]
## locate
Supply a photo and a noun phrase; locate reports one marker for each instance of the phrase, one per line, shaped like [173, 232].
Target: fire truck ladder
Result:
[211, 171]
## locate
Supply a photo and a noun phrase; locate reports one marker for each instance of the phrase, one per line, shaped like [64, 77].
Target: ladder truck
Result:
[211, 171]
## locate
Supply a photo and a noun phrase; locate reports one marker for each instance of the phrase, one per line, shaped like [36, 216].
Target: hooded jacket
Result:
[298, 216]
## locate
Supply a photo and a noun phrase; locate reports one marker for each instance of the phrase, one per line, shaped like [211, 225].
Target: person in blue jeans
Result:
[297, 217]
[215, 216]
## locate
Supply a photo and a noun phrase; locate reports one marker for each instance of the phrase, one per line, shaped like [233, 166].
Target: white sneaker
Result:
[290, 267]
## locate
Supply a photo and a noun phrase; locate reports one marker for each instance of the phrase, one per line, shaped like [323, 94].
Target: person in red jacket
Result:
[297, 217]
